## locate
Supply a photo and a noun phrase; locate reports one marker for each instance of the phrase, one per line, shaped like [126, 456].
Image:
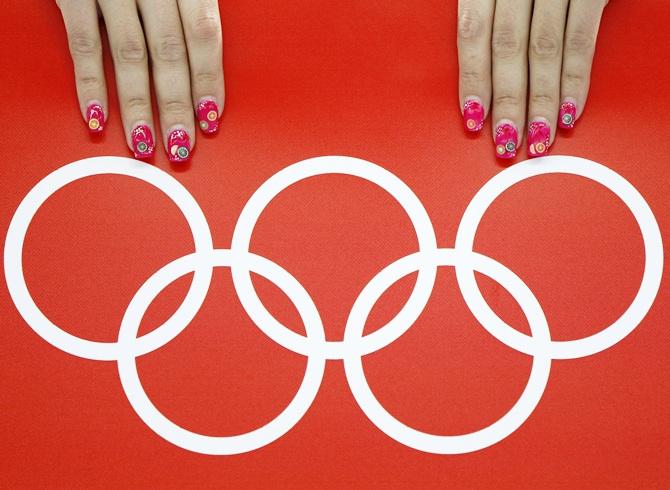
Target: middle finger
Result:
[162, 25]
[510, 68]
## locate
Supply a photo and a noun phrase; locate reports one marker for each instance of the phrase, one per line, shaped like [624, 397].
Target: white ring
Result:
[465, 443]
[321, 166]
[653, 247]
[88, 349]
[192, 441]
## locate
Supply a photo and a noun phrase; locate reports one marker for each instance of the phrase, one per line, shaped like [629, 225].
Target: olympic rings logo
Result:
[314, 345]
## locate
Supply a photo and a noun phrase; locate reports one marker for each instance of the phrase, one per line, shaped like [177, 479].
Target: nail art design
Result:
[507, 139]
[539, 133]
[95, 118]
[143, 141]
[567, 115]
[473, 115]
[208, 116]
[179, 146]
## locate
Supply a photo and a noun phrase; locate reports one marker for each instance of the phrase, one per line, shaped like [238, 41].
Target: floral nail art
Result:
[208, 116]
[473, 115]
[179, 146]
[567, 115]
[506, 140]
[539, 133]
[143, 141]
[95, 118]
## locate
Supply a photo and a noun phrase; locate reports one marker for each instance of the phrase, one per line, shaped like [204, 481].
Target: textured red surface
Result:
[376, 80]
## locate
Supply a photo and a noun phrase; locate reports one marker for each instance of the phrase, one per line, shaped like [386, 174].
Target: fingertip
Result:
[208, 113]
[474, 114]
[179, 144]
[95, 117]
[567, 116]
[506, 139]
[142, 141]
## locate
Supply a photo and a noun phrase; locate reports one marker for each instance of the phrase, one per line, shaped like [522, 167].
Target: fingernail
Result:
[473, 114]
[539, 133]
[507, 139]
[567, 114]
[143, 141]
[95, 118]
[208, 115]
[179, 146]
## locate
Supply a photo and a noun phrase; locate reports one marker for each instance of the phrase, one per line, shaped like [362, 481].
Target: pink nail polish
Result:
[95, 118]
[507, 140]
[473, 115]
[179, 146]
[539, 133]
[143, 141]
[567, 115]
[208, 116]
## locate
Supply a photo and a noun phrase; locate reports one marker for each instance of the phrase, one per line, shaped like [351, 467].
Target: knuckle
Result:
[470, 25]
[574, 78]
[137, 104]
[205, 77]
[132, 50]
[579, 42]
[472, 77]
[507, 100]
[84, 44]
[175, 107]
[170, 49]
[542, 100]
[506, 42]
[206, 27]
[545, 45]
[89, 82]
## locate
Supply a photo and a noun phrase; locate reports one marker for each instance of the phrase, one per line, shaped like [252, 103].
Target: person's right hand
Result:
[181, 39]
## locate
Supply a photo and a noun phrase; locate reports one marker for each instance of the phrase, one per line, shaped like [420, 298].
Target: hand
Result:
[182, 38]
[505, 44]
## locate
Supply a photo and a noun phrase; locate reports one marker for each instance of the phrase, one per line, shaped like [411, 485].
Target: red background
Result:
[376, 80]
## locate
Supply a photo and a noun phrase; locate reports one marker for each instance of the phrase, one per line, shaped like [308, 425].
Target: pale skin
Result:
[521, 59]
[524, 58]
[179, 40]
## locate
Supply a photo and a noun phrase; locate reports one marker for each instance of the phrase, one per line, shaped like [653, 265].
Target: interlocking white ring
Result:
[314, 345]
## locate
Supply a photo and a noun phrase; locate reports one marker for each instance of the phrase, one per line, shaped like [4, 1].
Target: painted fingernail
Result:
[473, 114]
[507, 139]
[143, 141]
[208, 116]
[179, 146]
[539, 133]
[567, 114]
[95, 118]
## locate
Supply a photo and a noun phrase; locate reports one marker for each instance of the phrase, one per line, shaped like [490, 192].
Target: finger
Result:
[579, 47]
[167, 49]
[132, 73]
[202, 29]
[546, 58]
[475, 23]
[510, 67]
[83, 33]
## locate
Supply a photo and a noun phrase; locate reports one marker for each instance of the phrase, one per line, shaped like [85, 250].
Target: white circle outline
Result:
[651, 235]
[312, 167]
[54, 335]
[218, 445]
[452, 444]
